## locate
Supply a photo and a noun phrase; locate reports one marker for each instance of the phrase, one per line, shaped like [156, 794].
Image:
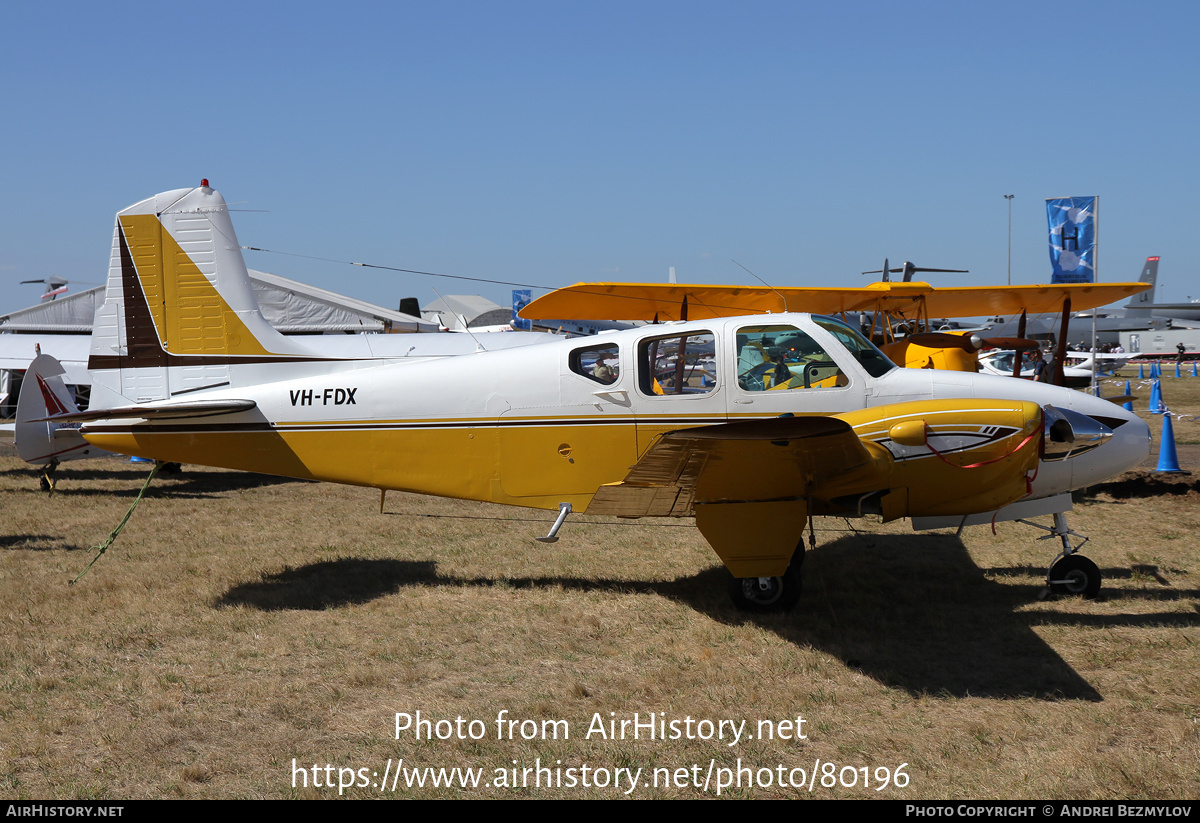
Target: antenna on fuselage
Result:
[478, 346]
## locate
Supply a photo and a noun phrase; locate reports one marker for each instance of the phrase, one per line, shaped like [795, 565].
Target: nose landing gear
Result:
[1074, 574]
[1070, 573]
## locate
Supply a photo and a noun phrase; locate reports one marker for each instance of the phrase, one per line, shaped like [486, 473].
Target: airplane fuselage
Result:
[551, 423]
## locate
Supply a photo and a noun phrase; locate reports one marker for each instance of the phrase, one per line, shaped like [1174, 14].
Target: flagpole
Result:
[1095, 279]
[1009, 198]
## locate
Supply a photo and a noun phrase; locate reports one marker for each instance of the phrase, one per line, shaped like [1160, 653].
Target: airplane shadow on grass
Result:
[34, 542]
[183, 485]
[911, 611]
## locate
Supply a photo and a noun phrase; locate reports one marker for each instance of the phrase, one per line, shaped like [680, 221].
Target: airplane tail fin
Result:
[1140, 303]
[43, 393]
[179, 308]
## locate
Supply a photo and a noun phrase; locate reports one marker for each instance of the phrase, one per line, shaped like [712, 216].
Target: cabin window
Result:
[773, 358]
[599, 363]
[873, 361]
[1004, 361]
[674, 365]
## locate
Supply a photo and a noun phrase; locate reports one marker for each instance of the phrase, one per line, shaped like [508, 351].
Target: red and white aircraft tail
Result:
[44, 394]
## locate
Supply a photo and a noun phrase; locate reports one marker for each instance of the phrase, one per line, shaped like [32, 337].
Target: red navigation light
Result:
[1148, 259]
[204, 182]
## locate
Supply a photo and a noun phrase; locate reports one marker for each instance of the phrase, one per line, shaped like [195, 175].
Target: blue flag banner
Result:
[1072, 239]
[521, 298]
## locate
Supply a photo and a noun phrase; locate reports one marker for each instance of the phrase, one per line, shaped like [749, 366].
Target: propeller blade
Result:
[1016, 343]
[1060, 352]
[1019, 361]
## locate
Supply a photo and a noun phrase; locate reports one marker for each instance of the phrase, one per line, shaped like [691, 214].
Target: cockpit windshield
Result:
[875, 362]
[772, 358]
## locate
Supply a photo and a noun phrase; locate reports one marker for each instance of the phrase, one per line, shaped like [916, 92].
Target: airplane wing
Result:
[665, 301]
[978, 301]
[748, 483]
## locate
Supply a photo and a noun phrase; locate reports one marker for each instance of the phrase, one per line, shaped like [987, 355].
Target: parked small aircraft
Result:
[751, 424]
[46, 394]
[55, 286]
[1014, 364]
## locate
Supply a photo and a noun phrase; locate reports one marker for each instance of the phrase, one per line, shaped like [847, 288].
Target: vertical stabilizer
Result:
[1140, 304]
[179, 308]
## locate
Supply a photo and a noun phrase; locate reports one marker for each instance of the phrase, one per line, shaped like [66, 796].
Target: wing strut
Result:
[1060, 352]
[1018, 359]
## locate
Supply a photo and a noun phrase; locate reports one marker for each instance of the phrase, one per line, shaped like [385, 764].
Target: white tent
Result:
[290, 306]
[63, 327]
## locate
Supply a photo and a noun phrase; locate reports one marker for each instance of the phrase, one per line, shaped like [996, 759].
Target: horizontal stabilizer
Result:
[199, 408]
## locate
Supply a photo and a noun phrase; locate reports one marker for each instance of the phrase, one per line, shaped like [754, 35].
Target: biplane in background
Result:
[653, 421]
[55, 287]
[899, 312]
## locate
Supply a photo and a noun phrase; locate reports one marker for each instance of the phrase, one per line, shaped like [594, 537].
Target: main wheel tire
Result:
[1075, 574]
[772, 594]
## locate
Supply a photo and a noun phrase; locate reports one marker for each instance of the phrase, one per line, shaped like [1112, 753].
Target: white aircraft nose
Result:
[1089, 443]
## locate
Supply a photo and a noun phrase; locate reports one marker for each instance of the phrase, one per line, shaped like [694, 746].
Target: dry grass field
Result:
[245, 629]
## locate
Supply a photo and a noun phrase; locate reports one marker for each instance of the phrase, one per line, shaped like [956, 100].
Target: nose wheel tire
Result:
[766, 594]
[1075, 574]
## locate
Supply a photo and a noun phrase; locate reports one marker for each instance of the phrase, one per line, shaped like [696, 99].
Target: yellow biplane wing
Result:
[666, 301]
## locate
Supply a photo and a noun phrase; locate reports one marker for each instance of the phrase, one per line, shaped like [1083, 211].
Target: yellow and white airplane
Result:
[666, 420]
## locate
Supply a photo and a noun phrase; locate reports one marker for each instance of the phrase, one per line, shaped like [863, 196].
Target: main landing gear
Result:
[769, 594]
[1070, 573]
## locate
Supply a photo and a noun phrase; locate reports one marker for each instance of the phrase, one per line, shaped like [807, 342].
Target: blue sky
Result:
[552, 142]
